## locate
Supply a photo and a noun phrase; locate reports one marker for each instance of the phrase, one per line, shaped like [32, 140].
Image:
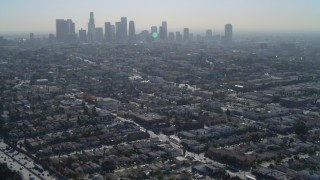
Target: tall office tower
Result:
[164, 30]
[161, 32]
[72, 31]
[132, 31]
[186, 34]
[171, 36]
[107, 31]
[51, 37]
[124, 28]
[71, 27]
[65, 30]
[178, 36]
[61, 30]
[118, 31]
[113, 31]
[191, 38]
[228, 33]
[199, 38]
[91, 28]
[99, 34]
[144, 35]
[31, 36]
[154, 29]
[82, 35]
[209, 34]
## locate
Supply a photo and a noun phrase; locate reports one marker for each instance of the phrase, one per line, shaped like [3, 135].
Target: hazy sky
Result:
[264, 15]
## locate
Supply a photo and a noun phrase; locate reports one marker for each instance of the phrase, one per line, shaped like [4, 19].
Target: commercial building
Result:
[178, 36]
[132, 31]
[154, 29]
[118, 31]
[186, 34]
[65, 30]
[108, 31]
[163, 30]
[99, 34]
[91, 28]
[171, 36]
[82, 35]
[124, 28]
[228, 33]
[208, 34]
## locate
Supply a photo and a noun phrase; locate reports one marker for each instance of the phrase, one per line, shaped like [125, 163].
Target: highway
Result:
[22, 163]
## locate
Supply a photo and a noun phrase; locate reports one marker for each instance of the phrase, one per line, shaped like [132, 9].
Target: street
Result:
[22, 164]
[199, 157]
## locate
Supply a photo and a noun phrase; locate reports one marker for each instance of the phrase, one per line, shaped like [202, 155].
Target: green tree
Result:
[159, 175]
[228, 113]
[7, 174]
[300, 128]
[85, 110]
[108, 166]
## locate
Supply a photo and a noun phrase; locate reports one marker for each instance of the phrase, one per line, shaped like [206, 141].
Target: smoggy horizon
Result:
[19, 17]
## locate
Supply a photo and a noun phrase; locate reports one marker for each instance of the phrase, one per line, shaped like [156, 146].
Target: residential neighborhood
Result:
[163, 110]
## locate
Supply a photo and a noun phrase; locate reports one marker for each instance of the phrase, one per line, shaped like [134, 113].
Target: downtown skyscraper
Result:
[163, 30]
[124, 28]
[99, 34]
[91, 28]
[108, 31]
[186, 35]
[118, 29]
[65, 30]
[132, 31]
[178, 36]
[82, 35]
[228, 33]
[171, 36]
[209, 34]
[154, 29]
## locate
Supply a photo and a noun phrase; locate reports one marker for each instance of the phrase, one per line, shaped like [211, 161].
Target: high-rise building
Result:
[199, 38]
[71, 27]
[209, 34]
[144, 35]
[124, 28]
[91, 28]
[154, 29]
[178, 36]
[186, 34]
[171, 36]
[118, 30]
[65, 30]
[113, 31]
[163, 30]
[31, 36]
[61, 30]
[132, 31]
[72, 36]
[99, 34]
[51, 37]
[108, 31]
[191, 38]
[228, 33]
[82, 35]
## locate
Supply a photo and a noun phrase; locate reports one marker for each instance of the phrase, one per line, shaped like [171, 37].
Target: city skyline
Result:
[248, 15]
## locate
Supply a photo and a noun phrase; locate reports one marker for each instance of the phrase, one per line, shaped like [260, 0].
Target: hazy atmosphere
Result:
[22, 16]
[160, 90]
